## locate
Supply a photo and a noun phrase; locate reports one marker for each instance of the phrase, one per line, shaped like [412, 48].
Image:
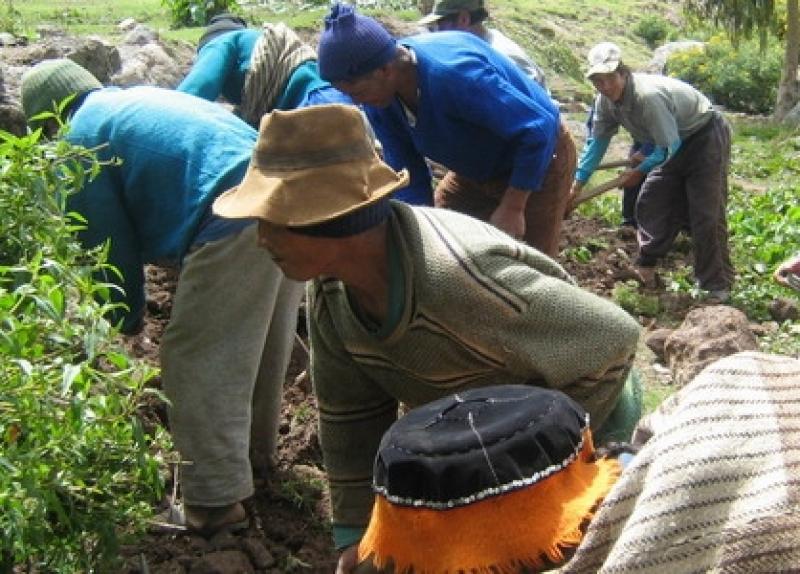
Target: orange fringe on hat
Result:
[498, 535]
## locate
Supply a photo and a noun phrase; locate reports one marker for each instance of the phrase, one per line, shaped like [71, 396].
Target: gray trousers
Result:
[691, 188]
[224, 357]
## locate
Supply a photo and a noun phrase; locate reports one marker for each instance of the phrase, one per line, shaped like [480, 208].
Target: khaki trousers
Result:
[224, 357]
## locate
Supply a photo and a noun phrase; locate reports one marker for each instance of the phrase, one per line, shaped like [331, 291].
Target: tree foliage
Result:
[740, 18]
[747, 17]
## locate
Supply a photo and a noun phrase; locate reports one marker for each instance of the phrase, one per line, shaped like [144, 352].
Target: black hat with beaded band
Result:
[491, 480]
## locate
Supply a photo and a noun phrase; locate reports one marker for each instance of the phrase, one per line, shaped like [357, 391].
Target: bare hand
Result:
[636, 158]
[633, 177]
[509, 220]
[348, 560]
[789, 267]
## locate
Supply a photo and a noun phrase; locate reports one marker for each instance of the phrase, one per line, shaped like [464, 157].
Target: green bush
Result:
[653, 30]
[196, 12]
[77, 471]
[742, 79]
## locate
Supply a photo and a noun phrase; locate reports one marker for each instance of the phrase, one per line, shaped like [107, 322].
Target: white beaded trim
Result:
[488, 492]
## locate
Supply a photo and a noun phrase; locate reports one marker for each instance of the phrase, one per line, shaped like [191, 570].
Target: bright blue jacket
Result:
[178, 153]
[478, 115]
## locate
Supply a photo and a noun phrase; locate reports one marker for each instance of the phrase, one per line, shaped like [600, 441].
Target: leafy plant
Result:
[10, 18]
[78, 471]
[743, 79]
[627, 296]
[653, 30]
[196, 12]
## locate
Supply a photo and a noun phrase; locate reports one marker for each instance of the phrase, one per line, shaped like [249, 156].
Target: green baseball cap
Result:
[444, 8]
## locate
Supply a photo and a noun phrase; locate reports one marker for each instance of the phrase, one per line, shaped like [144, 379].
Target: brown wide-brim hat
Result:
[311, 166]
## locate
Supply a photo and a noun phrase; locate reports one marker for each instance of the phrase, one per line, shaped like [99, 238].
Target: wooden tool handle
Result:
[588, 194]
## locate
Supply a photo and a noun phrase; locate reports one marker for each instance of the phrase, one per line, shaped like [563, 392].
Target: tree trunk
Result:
[789, 89]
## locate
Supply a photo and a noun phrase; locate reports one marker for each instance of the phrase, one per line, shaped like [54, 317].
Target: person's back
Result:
[460, 126]
[221, 66]
[177, 154]
[257, 70]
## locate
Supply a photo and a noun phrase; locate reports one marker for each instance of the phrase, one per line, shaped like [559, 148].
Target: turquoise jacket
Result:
[222, 64]
[177, 154]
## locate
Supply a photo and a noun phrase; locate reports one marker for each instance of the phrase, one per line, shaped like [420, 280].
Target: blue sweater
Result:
[478, 115]
[178, 153]
[222, 64]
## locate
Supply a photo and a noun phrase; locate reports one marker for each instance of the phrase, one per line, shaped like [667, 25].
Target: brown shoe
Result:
[207, 520]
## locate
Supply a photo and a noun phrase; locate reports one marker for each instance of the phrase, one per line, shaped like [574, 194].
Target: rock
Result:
[100, 58]
[259, 555]
[12, 119]
[140, 36]
[147, 65]
[50, 31]
[658, 63]
[7, 39]
[127, 24]
[655, 341]
[225, 562]
[783, 309]
[706, 334]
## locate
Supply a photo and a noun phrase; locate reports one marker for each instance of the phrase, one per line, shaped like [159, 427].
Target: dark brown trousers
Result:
[545, 209]
[691, 188]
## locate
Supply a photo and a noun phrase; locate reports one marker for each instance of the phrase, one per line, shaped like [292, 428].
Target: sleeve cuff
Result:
[344, 536]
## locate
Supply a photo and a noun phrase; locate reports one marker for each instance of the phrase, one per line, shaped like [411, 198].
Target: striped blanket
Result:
[717, 488]
[276, 55]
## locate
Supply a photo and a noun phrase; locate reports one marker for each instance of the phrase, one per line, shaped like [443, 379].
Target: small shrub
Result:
[653, 30]
[627, 296]
[77, 470]
[743, 79]
[563, 60]
[10, 19]
[196, 12]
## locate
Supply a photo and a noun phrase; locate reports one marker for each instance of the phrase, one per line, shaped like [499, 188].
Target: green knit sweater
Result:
[478, 309]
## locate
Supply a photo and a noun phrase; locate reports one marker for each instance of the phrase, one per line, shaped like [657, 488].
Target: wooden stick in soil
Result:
[588, 194]
[614, 163]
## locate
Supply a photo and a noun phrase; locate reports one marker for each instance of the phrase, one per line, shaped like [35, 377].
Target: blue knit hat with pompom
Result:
[352, 45]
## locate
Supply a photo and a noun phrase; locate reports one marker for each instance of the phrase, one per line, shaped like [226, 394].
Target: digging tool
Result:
[588, 194]
[614, 163]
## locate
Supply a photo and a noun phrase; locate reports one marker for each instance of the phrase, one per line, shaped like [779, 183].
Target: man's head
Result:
[355, 53]
[492, 479]
[220, 24]
[50, 82]
[606, 70]
[455, 15]
[314, 177]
